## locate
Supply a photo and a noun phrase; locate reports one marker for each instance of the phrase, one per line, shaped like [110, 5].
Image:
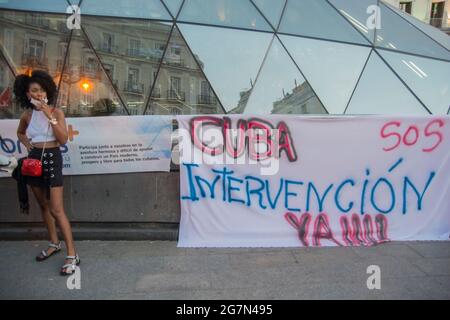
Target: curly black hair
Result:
[23, 82]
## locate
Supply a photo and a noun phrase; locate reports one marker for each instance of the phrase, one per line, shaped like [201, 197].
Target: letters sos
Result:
[427, 138]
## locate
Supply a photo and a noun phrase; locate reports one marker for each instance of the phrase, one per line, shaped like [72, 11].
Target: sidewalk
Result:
[160, 270]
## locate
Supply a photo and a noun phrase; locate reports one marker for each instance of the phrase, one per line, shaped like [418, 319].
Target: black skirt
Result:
[52, 165]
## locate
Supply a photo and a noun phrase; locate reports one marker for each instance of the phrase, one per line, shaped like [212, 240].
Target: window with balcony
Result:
[160, 46]
[175, 93]
[109, 69]
[437, 14]
[132, 84]
[36, 48]
[406, 6]
[108, 42]
[175, 84]
[133, 75]
[175, 50]
[206, 96]
[134, 49]
[90, 65]
[38, 20]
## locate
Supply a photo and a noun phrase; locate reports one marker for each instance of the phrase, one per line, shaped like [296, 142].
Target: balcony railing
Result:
[135, 53]
[174, 62]
[175, 95]
[33, 61]
[133, 87]
[156, 93]
[90, 72]
[108, 49]
[206, 99]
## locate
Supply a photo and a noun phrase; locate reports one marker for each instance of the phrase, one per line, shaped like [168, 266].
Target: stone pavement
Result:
[160, 270]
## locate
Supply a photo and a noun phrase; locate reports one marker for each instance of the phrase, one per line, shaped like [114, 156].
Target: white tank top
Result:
[37, 128]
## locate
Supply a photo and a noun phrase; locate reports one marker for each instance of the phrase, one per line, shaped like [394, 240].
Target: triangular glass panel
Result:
[58, 6]
[398, 34]
[332, 69]
[34, 41]
[428, 78]
[379, 91]
[230, 59]
[360, 13]
[180, 87]
[280, 88]
[317, 18]
[233, 13]
[85, 89]
[131, 51]
[144, 9]
[173, 6]
[271, 9]
[431, 31]
[9, 109]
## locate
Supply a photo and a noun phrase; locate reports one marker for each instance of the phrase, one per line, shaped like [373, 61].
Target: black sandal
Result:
[44, 255]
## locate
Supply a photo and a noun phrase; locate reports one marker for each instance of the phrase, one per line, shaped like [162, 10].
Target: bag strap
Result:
[46, 135]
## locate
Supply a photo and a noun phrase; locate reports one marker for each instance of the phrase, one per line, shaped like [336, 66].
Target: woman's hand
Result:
[46, 109]
[30, 147]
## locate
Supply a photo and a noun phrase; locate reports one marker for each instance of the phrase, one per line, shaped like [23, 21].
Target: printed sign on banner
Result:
[313, 181]
[99, 145]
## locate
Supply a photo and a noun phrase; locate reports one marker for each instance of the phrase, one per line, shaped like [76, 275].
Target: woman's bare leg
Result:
[57, 211]
[44, 205]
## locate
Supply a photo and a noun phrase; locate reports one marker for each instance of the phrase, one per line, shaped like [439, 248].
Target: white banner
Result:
[293, 181]
[99, 145]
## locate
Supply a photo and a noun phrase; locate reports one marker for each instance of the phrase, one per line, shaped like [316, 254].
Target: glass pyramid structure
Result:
[132, 57]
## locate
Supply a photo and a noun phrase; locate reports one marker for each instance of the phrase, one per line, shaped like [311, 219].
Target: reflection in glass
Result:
[34, 40]
[331, 68]
[380, 92]
[431, 31]
[316, 18]
[146, 9]
[180, 87]
[271, 9]
[397, 34]
[429, 79]
[33, 5]
[174, 6]
[355, 11]
[85, 89]
[131, 51]
[9, 109]
[230, 59]
[233, 13]
[280, 87]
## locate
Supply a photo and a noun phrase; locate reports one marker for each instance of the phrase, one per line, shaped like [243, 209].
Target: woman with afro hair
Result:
[42, 129]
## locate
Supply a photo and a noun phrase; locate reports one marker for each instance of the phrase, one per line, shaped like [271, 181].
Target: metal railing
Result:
[134, 87]
[156, 93]
[176, 95]
[34, 61]
[206, 99]
[90, 72]
[108, 49]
